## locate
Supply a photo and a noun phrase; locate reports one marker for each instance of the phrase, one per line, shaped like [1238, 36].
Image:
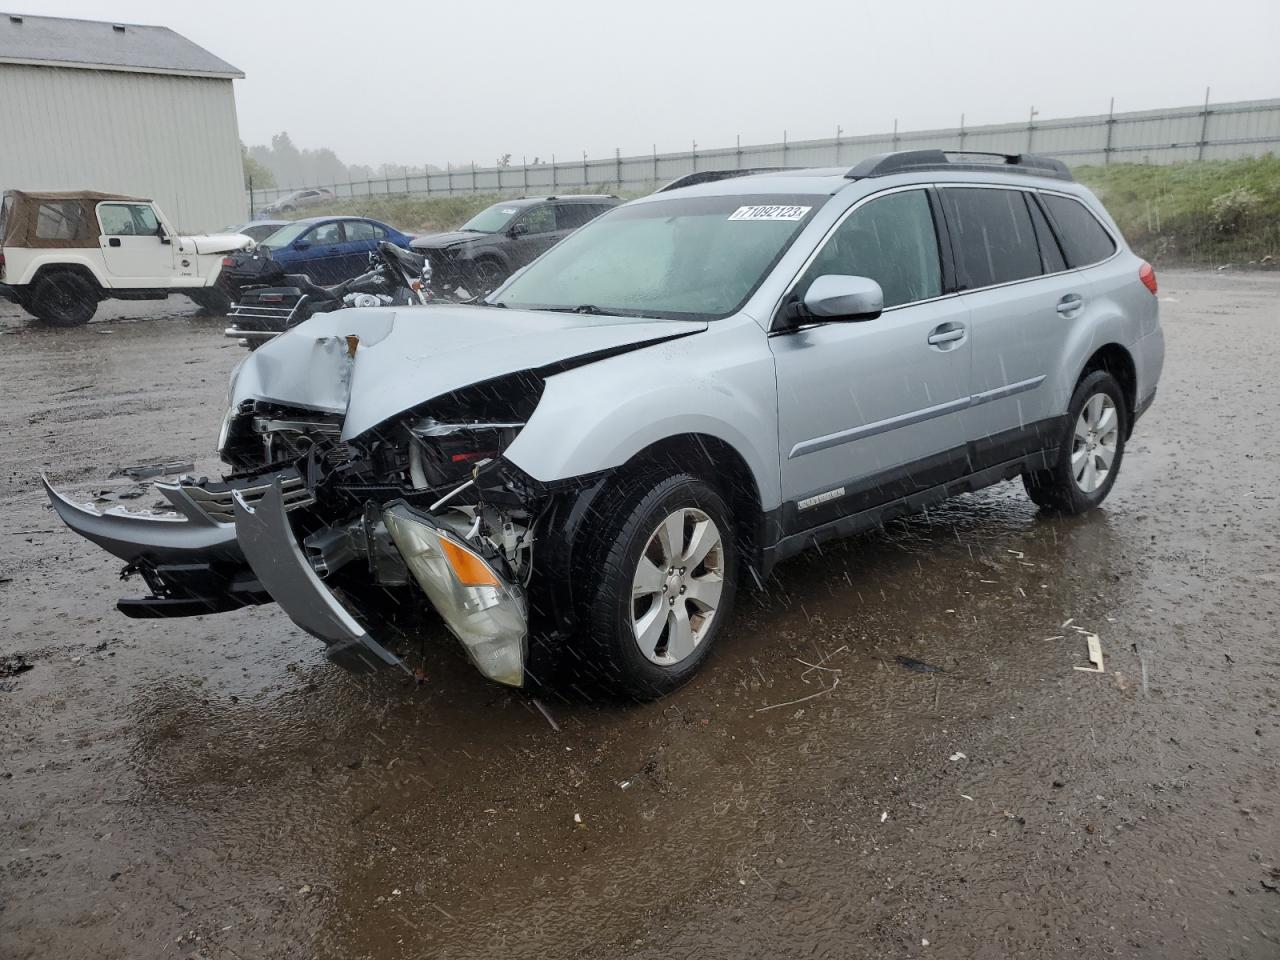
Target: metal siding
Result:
[173, 139]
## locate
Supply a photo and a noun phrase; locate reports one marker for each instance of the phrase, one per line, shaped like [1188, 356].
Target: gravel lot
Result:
[213, 788]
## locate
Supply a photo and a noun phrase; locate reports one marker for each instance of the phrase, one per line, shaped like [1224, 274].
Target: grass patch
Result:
[1208, 213]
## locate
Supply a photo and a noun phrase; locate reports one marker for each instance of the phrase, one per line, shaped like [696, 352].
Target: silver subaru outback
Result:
[577, 475]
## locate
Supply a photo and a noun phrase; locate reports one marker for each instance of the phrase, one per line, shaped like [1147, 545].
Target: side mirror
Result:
[839, 297]
[160, 232]
[518, 229]
[301, 244]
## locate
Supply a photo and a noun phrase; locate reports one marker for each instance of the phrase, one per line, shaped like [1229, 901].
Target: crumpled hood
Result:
[440, 241]
[220, 242]
[408, 355]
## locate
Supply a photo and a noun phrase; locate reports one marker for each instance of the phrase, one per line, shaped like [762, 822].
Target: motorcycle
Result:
[396, 277]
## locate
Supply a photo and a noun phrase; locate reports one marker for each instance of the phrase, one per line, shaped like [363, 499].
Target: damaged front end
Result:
[368, 486]
[349, 537]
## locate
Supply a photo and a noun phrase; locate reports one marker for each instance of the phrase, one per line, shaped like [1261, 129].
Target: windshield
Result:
[286, 235]
[492, 219]
[685, 257]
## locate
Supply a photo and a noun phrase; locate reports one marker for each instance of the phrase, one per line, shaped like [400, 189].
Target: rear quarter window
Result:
[58, 221]
[1084, 240]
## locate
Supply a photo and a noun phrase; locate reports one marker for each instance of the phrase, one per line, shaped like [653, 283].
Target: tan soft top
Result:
[71, 218]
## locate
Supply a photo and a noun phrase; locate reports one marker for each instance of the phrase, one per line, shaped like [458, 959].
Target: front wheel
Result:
[662, 585]
[486, 276]
[1088, 459]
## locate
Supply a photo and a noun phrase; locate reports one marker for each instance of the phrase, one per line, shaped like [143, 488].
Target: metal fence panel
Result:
[1203, 132]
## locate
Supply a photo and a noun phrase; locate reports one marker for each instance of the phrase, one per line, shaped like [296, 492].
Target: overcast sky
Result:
[413, 82]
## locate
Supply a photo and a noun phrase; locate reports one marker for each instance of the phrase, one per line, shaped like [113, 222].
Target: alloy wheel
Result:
[1096, 441]
[677, 586]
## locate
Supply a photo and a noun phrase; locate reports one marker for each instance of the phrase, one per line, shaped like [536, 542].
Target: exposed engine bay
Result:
[350, 499]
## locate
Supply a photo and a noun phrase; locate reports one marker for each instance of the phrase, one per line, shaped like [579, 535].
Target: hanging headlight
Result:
[480, 607]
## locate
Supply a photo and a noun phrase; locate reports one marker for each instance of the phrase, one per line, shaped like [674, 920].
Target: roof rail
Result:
[911, 161]
[711, 176]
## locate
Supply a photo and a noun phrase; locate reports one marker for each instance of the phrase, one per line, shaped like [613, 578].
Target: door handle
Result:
[1070, 303]
[113, 242]
[947, 333]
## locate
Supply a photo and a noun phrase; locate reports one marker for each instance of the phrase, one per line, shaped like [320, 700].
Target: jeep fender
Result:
[45, 263]
[597, 417]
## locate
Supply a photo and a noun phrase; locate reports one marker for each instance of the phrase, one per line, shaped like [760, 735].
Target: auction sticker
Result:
[770, 213]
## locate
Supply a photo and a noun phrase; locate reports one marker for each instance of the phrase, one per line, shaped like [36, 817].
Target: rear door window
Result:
[1084, 240]
[890, 239]
[992, 234]
[570, 216]
[358, 230]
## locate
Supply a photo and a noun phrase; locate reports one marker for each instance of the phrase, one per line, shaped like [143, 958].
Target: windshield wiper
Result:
[591, 310]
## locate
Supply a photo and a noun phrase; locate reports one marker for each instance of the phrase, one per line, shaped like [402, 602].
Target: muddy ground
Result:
[213, 787]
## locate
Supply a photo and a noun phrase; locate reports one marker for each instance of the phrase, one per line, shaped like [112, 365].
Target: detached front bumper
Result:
[265, 535]
[234, 546]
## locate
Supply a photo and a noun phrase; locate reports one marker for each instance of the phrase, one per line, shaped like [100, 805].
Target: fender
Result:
[57, 259]
[1120, 312]
[470, 254]
[597, 417]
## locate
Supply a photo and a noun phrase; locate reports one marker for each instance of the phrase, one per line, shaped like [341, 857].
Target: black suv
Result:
[501, 239]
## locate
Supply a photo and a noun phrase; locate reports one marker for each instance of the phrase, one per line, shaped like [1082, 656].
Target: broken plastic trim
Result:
[272, 550]
[177, 537]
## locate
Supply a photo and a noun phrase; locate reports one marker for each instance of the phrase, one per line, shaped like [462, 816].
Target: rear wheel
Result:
[63, 299]
[662, 585]
[1088, 460]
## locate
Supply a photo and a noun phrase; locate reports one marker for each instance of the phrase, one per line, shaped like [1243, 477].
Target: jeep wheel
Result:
[1089, 458]
[63, 299]
[665, 578]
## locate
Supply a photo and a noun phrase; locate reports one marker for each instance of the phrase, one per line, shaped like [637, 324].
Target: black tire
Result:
[487, 274]
[1057, 488]
[211, 299]
[608, 652]
[63, 299]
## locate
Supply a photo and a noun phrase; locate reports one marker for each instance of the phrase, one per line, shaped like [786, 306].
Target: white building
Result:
[120, 108]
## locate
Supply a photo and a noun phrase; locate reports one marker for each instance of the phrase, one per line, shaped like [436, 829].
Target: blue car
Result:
[326, 249]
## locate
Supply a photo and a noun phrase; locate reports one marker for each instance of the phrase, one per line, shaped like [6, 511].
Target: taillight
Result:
[1147, 274]
[1, 264]
[228, 261]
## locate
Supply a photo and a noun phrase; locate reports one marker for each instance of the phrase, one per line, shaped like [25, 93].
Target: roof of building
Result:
[103, 45]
